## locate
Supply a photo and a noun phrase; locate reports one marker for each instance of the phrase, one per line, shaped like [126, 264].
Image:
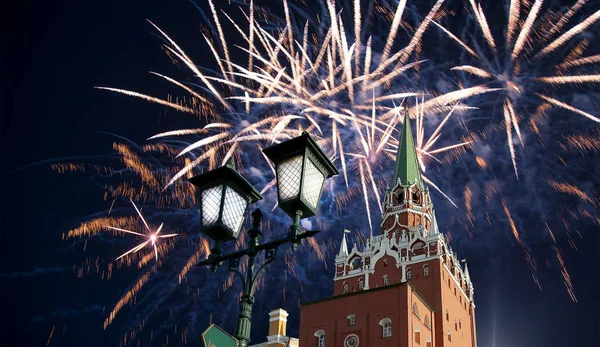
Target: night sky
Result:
[54, 53]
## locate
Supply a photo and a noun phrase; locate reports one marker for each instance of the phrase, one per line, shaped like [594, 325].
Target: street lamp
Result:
[225, 195]
[301, 170]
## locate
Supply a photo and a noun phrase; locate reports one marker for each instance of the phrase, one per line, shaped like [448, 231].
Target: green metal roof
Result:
[407, 166]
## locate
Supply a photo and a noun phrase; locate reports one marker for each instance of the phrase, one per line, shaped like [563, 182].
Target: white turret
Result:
[344, 247]
[434, 226]
[466, 271]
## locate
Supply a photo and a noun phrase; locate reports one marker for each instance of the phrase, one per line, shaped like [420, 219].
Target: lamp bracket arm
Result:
[237, 272]
[307, 234]
[270, 255]
[221, 258]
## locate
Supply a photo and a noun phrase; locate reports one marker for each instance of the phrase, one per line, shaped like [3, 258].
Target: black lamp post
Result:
[301, 168]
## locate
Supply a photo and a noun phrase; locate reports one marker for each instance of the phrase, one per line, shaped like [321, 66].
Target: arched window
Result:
[455, 325]
[448, 282]
[386, 324]
[320, 334]
[415, 196]
[447, 315]
[361, 284]
[356, 263]
[427, 321]
[426, 270]
[345, 287]
[459, 324]
[417, 334]
[351, 319]
[400, 197]
[428, 341]
[408, 274]
[449, 335]
[416, 310]
[385, 280]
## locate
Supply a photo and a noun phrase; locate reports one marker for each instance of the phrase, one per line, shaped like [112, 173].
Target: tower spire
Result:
[407, 166]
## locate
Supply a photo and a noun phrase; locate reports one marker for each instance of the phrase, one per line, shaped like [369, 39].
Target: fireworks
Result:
[342, 82]
[152, 237]
[530, 37]
[326, 87]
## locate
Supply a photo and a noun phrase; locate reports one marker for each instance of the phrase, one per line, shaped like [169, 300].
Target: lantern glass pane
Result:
[313, 183]
[289, 174]
[211, 203]
[233, 210]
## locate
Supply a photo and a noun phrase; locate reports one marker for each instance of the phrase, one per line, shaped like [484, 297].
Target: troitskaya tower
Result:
[406, 287]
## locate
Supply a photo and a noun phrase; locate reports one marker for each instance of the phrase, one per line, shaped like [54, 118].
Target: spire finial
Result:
[407, 165]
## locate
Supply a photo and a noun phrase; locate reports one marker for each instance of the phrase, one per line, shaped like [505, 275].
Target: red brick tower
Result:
[406, 288]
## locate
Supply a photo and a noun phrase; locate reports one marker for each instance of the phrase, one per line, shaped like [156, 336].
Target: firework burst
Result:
[313, 79]
[331, 74]
[152, 237]
[524, 66]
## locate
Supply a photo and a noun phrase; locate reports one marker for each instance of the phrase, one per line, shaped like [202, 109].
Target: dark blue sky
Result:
[52, 55]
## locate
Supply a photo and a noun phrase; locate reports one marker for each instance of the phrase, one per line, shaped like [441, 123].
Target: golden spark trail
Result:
[582, 61]
[524, 34]
[133, 161]
[568, 107]
[128, 297]
[571, 189]
[194, 259]
[570, 79]
[151, 99]
[50, 337]
[393, 29]
[511, 146]
[472, 70]
[513, 227]
[483, 24]
[584, 143]
[221, 34]
[558, 25]
[459, 41]
[513, 20]
[572, 32]
[187, 61]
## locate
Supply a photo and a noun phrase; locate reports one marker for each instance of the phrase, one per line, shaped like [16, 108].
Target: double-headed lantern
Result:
[301, 168]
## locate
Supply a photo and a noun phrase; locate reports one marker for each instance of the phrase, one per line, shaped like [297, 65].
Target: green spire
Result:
[407, 166]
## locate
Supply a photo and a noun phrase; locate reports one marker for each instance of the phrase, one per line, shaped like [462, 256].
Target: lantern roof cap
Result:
[291, 147]
[226, 174]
